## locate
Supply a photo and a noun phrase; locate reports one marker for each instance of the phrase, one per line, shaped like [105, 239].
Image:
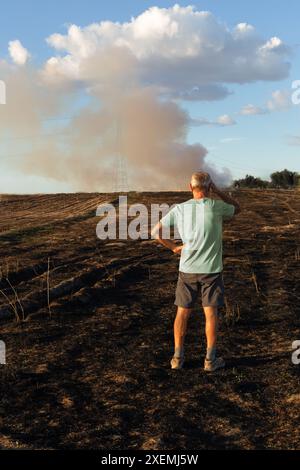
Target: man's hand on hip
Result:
[178, 249]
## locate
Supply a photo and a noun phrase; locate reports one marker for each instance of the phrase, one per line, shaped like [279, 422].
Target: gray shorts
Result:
[189, 285]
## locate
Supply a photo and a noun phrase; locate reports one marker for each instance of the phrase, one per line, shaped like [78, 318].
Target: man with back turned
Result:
[199, 224]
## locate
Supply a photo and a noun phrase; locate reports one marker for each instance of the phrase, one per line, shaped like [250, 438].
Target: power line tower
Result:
[121, 175]
[121, 170]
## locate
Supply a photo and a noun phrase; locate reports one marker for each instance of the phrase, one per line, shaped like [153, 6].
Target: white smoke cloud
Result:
[128, 120]
[18, 53]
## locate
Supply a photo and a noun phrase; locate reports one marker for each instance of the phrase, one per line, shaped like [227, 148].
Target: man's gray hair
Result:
[201, 181]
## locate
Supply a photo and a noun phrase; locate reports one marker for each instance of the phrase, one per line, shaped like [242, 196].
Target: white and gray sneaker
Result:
[177, 362]
[211, 366]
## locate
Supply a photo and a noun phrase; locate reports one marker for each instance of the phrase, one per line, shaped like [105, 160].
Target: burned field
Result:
[88, 331]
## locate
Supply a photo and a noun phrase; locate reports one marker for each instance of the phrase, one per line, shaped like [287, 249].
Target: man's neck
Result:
[199, 195]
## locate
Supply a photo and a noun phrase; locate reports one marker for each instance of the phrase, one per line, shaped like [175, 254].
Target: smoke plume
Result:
[122, 117]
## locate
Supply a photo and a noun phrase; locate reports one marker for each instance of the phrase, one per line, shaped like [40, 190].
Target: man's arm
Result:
[226, 198]
[157, 234]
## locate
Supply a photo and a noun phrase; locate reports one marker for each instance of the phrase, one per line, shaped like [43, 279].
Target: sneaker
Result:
[211, 366]
[177, 362]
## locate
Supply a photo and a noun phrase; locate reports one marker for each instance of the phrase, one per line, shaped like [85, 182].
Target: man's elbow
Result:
[155, 232]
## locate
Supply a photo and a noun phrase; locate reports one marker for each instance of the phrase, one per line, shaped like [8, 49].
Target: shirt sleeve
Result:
[227, 211]
[169, 220]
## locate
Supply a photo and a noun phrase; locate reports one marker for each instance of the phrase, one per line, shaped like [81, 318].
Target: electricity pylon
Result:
[121, 170]
[121, 175]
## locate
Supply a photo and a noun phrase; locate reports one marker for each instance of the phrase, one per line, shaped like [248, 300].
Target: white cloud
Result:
[222, 121]
[280, 101]
[18, 53]
[188, 54]
[225, 120]
[230, 140]
[251, 110]
[244, 28]
[274, 44]
[293, 140]
[202, 93]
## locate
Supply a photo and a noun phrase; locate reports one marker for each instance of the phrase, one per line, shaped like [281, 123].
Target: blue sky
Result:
[256, 144]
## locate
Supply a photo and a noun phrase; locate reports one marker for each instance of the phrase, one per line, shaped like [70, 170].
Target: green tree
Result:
[251, 182]
[284, 179]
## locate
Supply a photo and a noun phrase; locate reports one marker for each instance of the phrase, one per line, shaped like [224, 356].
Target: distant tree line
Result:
[280, 179]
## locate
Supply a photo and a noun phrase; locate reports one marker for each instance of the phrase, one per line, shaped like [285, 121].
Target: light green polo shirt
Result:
[198, 223]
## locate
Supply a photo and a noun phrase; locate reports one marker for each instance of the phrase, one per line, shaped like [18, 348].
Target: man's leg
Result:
[186, 294]
[180, 327]
[212, 362]
[211, 330]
